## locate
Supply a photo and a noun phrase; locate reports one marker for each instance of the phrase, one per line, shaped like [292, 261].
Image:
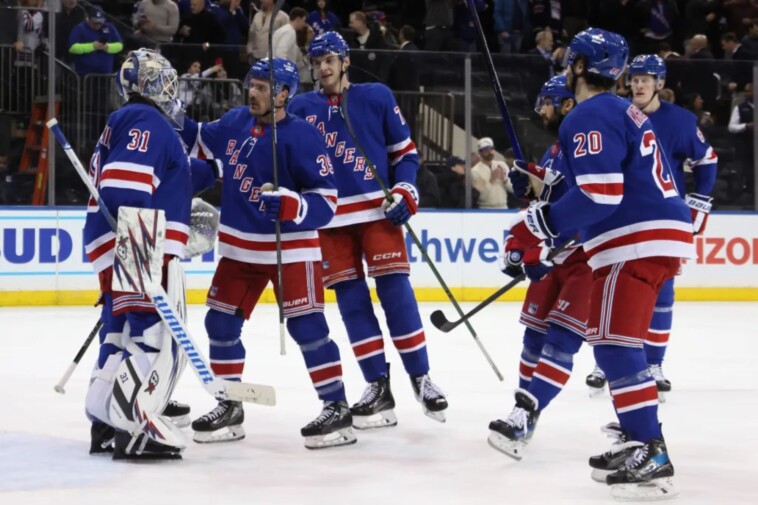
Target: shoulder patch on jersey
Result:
[637, 115]
[700, 136]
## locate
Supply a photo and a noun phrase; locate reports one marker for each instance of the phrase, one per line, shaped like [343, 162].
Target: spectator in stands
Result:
[285, 38]
[30, 34]
[665, 52]
[667, 95]
[733, 50]
[490, 177]
[365, 36]
[94, 43]
[698, 48]
[428, 189]
[694, 103]
[740, 14]
[511, 22]
[191, 88]
[741, 125]
[367, 66]
[304, 37]
[199, 26]
[750, 41]
[544, 15]
[71, 14]
[544, 48]
[322, 20]
[452, 185]
[389, 34]
[404, 75]
[464, 26]
[233, 22]
[659, 18]
[699, 77]
[439, 26]
[257, 36]
[157, 20]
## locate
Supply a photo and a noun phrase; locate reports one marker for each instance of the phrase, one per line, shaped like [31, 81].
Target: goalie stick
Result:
[60, 387]
[440, 321]
[220, 389]
[419, 245]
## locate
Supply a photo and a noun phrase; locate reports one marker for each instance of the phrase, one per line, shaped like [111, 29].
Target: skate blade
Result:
[383, 419]
[596, 392]
[437, 416]
[227, 434]
[655, 490]
[662, 396]
[180, 421]
[337, 438]
[507, 446]
[599, 475]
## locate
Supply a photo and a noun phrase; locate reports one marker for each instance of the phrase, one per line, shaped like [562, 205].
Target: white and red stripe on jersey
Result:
[363, 208]
[602, 188]
[261, 247]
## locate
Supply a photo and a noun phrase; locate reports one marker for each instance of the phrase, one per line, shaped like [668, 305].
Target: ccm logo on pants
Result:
[387, 256]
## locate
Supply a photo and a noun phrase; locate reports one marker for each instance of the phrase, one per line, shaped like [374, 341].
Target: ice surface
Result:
[709, 422]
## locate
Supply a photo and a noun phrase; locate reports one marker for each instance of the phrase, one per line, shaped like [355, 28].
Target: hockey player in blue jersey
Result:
[139, 161]
[556, 305]
[635, 229]
[368, 226]
[305, 200]
[684, 145]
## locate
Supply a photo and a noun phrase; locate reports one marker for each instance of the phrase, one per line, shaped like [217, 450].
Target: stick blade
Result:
[252, 393]
[440, 321]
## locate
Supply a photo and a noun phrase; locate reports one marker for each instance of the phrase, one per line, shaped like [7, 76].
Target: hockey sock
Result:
[555, 364]
[657, 338]
[226, 349]
[530, 354]
[404, 321]
[635, 396]
[354, 302]
[321, 354]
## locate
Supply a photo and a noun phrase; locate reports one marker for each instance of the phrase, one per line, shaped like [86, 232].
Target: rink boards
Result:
[42, 260]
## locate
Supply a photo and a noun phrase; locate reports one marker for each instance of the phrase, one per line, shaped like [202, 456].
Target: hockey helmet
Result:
[605, 52]
[648, 64]
[328, 43]
[150, 75]
[285, 74]
[555, 89]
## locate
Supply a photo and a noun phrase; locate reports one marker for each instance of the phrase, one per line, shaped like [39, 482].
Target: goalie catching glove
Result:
[283, 204]
[404, 203]
[700, 207]
[203, 228]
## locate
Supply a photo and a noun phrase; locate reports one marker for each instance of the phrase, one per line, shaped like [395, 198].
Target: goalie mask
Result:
[150, 75]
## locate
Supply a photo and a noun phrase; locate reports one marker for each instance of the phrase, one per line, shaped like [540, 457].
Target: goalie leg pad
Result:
[98, 399]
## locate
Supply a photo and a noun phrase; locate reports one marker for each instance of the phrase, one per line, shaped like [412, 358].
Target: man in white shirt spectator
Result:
[157, 19]
[490, 177]
[285, 38]
[257, 37]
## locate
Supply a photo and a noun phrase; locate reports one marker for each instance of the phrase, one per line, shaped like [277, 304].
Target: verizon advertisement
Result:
[43, 250]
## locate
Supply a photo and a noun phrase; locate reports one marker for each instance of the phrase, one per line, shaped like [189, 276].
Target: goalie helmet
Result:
[605, 52]
[150, 75]
[555, 90]
[285, 74]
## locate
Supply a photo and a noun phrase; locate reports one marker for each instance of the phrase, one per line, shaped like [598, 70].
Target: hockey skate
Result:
[222, 424]
[646, 475]
[101, 438]
[375, 408]
[511, 436]
[661, 382]
[596, 382]
[431, 397]
[177, 413]
[613, 459]
[332, 428]
[141, 447]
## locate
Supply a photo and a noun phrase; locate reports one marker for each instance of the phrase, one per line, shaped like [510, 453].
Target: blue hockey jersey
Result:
[683, 142]
[245, 147]
[139, 161]
[383, 134]
[624, 200]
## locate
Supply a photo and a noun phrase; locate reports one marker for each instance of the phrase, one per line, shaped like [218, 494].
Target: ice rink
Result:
[709, 422]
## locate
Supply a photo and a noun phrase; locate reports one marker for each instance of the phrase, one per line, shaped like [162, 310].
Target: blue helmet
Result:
[285, 74]
[648, 64]
[556, 90]
[605, 52]
[328, 43]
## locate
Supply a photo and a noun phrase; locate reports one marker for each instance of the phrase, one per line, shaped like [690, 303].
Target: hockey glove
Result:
[536, 264]
[532, 226]
[284, 204]
[550, 178]
[404, 203]
[512, 257]
[700, 207]
[521, 184]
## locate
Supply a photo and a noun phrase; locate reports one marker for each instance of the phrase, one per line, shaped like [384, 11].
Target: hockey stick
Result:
[419, 245]
[221, 389]
[277, 223]
[59, 388]
[495, 83]
[440, 321]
